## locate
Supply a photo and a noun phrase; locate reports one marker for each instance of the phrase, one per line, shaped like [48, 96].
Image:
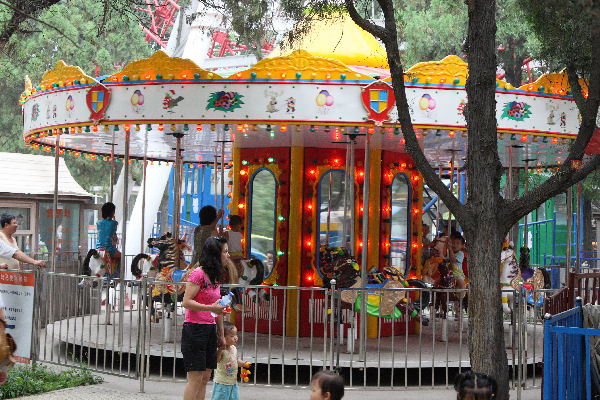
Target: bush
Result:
[34, 379]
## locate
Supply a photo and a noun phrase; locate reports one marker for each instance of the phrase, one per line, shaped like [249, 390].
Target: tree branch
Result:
[389, 36]
[368, 26]
[17, 20]
[566, 176]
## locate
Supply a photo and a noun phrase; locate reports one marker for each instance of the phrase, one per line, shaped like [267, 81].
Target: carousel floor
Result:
[422, 350]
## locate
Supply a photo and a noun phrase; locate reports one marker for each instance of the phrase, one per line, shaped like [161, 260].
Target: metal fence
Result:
[288, 333]
[568, 369]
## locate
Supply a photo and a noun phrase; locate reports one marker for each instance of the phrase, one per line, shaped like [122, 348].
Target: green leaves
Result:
[28, 380]
[95, 37]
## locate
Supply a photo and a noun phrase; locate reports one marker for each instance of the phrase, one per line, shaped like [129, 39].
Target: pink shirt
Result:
[207, 294]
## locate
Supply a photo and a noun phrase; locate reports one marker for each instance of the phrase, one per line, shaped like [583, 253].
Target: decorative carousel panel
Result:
[304, 102]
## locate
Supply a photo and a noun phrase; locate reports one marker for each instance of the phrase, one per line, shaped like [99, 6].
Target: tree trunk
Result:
[486, 328]
[483, 232]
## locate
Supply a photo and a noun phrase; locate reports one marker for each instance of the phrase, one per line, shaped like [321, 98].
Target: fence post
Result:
[143, 298]
[520, 313]
[548, 359]
[332, 323]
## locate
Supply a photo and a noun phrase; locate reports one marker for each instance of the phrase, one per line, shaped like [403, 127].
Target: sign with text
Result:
[17, 293]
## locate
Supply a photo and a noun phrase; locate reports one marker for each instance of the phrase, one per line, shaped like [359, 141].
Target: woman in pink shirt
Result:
[202, 333]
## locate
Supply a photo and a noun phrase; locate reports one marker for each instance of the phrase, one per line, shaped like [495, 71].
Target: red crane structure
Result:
[161, 16]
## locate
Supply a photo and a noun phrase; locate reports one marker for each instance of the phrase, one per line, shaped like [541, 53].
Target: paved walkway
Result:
[128, 389]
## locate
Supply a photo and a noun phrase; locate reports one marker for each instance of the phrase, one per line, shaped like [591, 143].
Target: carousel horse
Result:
[444, 279]
[100, 263]
[148, 265]
[336, 263]
[437, 273]
[165, 271]
[532, 278]
[512, 273]
[253, 273]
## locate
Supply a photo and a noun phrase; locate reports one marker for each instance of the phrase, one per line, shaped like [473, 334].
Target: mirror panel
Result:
[400, 223]
[263, 214]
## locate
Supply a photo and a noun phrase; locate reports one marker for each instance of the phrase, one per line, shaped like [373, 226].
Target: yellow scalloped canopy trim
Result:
[451, 70]
[167, 67]
[555, 83]
[304, 63]
[63, 73]
[336, 37]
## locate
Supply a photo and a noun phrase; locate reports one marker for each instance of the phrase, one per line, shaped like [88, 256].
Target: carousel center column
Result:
[294, 273]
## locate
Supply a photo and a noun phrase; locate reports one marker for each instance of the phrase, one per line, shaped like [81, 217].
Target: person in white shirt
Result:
[9, 252]
[9, 227]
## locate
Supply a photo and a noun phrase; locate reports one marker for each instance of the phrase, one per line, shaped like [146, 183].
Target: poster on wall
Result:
[16, 291]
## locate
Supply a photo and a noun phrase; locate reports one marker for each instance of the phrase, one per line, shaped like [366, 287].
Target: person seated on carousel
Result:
[234, 237]
[457, 256]
[234, 241]
[426, 252]
[207, 228]
[438, 246]
[107, 234]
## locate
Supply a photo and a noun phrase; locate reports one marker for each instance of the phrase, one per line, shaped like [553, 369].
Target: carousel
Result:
[309, 142]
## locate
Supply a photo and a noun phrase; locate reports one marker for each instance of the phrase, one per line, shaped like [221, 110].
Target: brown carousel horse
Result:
[437, 272]
[336, 263]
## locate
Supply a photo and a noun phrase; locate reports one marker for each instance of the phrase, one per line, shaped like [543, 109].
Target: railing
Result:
[567, 356]
[297, 331]
[81, 320]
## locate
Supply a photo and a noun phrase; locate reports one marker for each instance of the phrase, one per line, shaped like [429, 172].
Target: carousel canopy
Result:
[338, 38]
[291, 100]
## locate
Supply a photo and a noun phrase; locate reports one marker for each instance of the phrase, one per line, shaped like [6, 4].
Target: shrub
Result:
[34, 379]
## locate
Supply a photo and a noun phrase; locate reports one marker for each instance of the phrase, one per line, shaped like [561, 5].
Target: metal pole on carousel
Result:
[123, 237]
[437, 208]
[223, 180]
[510, 188]
[525, 233]
[365, 247]
[351, 197]
[578, 227]
[55, 201]
[451, 189]
[144, 191]
[112, 167]
[569, 231]
[329, 207]
[177, 194]
[215, 174]
[346, 192]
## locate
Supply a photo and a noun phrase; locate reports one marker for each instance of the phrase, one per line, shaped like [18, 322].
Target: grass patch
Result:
[34, 379]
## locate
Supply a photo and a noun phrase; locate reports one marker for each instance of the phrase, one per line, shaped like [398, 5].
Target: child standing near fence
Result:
[225, 385]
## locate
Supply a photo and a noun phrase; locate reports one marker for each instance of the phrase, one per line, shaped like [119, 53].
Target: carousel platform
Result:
[91, 335]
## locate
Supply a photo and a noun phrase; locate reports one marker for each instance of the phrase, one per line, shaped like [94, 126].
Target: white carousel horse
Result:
[98, 263]
[253, 273]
